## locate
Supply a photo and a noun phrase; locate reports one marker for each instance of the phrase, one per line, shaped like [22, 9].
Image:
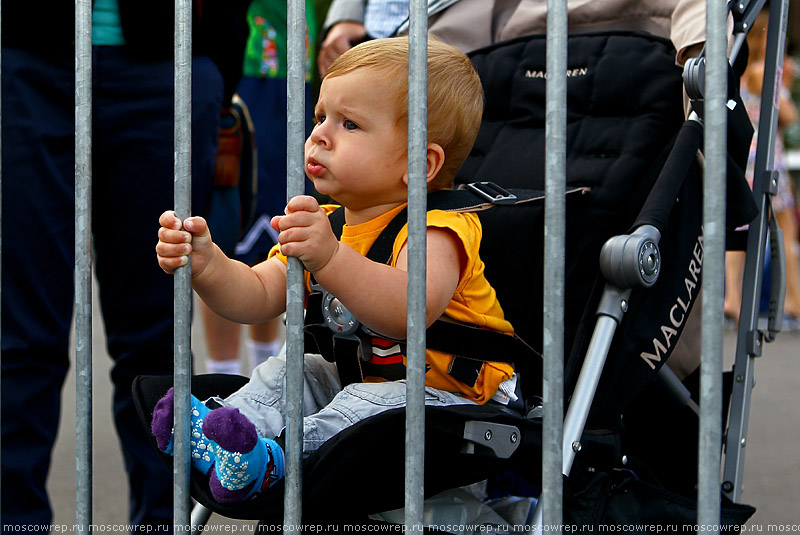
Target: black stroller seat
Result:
[376, 445]
[624, 115]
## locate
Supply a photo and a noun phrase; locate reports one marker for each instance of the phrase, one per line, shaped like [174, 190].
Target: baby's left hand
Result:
[305, 233]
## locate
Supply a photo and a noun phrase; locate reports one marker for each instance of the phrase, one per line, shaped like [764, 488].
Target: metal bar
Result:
[182, 284]
[612, 307]
[295, 185]
[83, 265]
[1, 233]
[554, 263]
[714, 185]
[745, 12]
[200, 517]
[417, 258]
[586, 387]
[749, 340]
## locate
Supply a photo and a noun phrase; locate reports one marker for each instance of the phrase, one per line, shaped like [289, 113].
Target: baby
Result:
[358, 154]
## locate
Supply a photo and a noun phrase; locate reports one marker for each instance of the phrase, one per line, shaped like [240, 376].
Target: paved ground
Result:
[110, 505]
[772, 470]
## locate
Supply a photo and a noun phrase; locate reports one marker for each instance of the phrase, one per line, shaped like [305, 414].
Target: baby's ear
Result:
[435, 156]
[435, 161]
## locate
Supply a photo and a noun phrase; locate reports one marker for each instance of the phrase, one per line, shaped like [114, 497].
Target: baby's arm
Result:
[230, 288]
[375, 293]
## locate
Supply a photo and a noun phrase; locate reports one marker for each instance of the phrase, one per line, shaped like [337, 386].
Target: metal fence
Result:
[554, 444]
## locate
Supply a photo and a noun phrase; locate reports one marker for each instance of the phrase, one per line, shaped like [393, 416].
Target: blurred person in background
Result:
[132, 180]
[263, 91]
[783, 202]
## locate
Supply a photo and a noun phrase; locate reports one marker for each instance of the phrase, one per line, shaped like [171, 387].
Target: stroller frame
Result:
[750, 338]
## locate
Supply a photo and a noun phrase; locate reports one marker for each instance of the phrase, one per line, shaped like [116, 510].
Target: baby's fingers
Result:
[169, 220]
[172, 250]
[169, 265]
[172, 256]
[275, 222]
[168, 235]
[302, 203]
[177, 241]
[196, 225]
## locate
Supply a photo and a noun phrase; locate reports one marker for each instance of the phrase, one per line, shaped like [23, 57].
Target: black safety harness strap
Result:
[469, 344]
[352, 352]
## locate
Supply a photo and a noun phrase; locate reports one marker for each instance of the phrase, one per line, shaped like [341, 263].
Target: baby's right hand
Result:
[176, 243]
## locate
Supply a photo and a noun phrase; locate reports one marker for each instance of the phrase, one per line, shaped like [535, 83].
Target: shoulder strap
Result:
[479, 196]
[381, 250]
[473, 197]
[336, 219]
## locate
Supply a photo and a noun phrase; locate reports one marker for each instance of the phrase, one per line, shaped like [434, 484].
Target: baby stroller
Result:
[628, 168]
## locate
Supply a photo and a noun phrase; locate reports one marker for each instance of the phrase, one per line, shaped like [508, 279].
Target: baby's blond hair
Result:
[455, 94]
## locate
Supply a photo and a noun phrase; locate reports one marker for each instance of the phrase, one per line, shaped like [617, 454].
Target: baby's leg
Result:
[245, 463]
[162, 424]
[359, 401]
[263, 399]
[228, 439]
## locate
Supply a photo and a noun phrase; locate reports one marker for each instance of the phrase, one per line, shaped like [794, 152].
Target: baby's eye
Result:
[319, 119]
[350, 125]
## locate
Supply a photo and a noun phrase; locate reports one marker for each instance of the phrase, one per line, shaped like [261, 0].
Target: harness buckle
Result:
[342, 323]
[492, 192]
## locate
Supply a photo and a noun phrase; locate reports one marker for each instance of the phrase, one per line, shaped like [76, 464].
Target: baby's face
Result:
[357, 152]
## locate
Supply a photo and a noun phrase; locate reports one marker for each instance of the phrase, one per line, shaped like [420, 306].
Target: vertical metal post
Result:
[182, 285]
[714, 186]
[83, 264]
[295, 185]
[417, 258]
[1, 229]
[554, 263]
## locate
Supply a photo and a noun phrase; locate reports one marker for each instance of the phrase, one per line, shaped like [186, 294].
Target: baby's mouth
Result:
[314, 168]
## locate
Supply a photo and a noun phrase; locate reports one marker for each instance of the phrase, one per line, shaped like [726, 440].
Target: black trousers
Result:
[132, 185]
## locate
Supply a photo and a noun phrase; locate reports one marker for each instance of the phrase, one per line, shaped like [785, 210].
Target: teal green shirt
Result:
[106, 29]
[265, 55]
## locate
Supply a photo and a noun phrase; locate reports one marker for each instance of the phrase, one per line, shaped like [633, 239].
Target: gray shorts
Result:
[327, 407]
